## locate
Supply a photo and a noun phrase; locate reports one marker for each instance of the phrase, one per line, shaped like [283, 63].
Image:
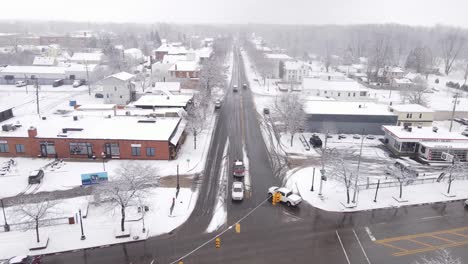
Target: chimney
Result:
[32, 132]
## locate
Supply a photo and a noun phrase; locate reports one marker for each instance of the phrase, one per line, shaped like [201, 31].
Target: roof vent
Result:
[434, 129]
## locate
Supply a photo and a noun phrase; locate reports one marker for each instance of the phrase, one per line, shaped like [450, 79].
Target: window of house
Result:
[4, 147]
[407, 115]
[19, 148]
[107, 95]
[47, 148]
[410, 115]
[81, 149]
[136, 151]
[150, 151]
[362, 94]
[354, 94]
[349, 94]
[420, 115]
[325, 92]
[339, 94]
[115, 88]
[120, 97]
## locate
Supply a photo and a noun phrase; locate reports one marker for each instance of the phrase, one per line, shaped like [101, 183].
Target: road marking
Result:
[395, 247]
[432, 217]
[369, 233]
[392, 239]
[152, 261]
[444, 239]
[419, 242]
[362, 248]
[344, 250]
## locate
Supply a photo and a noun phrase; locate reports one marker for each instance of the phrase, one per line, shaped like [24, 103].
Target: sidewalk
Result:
[334, 193]
[101, 224]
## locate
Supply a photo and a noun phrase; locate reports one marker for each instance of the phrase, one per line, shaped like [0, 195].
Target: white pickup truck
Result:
[287, 196]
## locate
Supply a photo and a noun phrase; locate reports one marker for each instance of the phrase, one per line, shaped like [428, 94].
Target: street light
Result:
[6, 226]
[103, 155]
[83, 237]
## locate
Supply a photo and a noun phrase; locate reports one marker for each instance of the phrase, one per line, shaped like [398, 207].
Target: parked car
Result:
[234, 88]
[238, 169]
[341, 136]
[99, 95]
[458, 120]
[329, 136]
[370, 137]
[315, 141]
[266, 111]
[466, 203]
[405, 166]
[77, 83]
[24, 260]
[287, 196]
[237, 191]
[465, 133]
[57, 83]
[356, 136]
[217, 104]
[35, 176]
[244, 86]
[21, 83]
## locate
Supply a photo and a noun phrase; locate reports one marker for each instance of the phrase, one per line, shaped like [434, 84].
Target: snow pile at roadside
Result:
[334, 192]
[247, 182]
[220, 211]
[101, 223]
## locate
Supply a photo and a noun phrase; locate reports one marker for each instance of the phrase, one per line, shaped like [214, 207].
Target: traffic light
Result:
[218, 242]
[237, 228]
[276, 198]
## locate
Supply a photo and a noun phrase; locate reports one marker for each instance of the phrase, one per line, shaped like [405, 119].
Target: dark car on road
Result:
[315, 141]
[99, 95]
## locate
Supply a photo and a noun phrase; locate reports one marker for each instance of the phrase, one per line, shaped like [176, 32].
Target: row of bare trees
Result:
[262, 64]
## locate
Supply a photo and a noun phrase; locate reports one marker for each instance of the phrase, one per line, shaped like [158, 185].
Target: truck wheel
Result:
[288, 204]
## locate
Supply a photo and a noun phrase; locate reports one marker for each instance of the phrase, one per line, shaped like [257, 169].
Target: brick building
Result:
[185, 69]
[87, 137]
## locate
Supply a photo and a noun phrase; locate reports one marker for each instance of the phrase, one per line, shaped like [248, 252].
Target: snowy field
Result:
[101, 224]
[334, 192]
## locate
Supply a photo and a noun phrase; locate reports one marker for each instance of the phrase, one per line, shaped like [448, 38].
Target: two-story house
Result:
[413, 115]
[294, 71]
[119, 88]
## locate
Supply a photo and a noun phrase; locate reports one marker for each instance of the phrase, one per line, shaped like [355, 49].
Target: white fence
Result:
[388, 184]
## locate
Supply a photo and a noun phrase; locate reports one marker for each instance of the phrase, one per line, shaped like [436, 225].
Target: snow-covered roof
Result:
[411, 108]
[402, 81]
[123, 76]
[96, 107]
[151, 100]
[185, 66]
[115, 127]
[293, 65]
[44, 61]
[346, 108]
[204, 52]
[75, 67]
[167, 86]
[134, 53]
[423, 133]
[340, 85]
[278, 56]
[33, 70]
[173, 58]
[83, 57]
[180, 130]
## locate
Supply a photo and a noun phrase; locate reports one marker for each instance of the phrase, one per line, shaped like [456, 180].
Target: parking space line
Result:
[444, 239]
[344, 250]
[392, 246]
[420, 243]
[392, 239]
[416, 251]
[362, 248]
[457, 234]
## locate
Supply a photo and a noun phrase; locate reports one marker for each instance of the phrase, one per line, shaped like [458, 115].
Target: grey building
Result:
[347, 117]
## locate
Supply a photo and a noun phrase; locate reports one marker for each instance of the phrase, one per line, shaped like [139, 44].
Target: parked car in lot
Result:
[77, 83]
[287, 196]
[315, 141]
[341, 136]
[370, 137]
[217, 104]
[99, 95]
[35, 176]
[237, 192]
[266, 111]
[407, 167]
[21, 83]
[356, 136]
[24, 260]
[234, 88]
[238, 169]
[57, 83]
[465, 132]
[458, 120]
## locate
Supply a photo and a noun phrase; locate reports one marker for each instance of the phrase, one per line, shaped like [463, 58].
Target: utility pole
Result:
[322, 171]
[87, 77]
[36, 85]
[455, 102]
[6, 226]
[358, 164]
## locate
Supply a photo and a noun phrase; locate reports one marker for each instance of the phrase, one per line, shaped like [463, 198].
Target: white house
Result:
[295, 71]
[338, 88]
[276, 58]
[413, 115]
[402, 83]
[119, 88]
[44, 61]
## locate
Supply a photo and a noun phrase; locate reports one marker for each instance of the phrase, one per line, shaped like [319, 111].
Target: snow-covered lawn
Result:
[101, 223]
[334, 192]
[219, 217]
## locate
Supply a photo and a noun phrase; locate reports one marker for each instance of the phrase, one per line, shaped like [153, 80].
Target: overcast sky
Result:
[413, 12]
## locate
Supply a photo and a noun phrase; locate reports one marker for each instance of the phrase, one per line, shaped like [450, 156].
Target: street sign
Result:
[93, 178]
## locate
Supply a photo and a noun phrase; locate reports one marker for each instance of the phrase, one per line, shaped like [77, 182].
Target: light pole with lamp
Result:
[83, 237]
[103, 156]
[6, 226]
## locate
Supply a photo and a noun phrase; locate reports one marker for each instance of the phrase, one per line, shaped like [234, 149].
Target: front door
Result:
[43, 150]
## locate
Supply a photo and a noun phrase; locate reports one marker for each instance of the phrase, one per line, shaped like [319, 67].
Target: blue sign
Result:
[93, 178]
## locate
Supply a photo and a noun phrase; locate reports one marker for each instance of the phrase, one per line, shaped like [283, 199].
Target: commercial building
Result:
[335, 86]
[151, 101]
[91, 137]
[347, 117]
[426, 143]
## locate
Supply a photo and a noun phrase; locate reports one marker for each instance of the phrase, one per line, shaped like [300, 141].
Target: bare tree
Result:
[443, 256]
[129, 185]
[419, 59]
[380, 56]
[402, 174]
[213, 73]
[452, 45]
[289, 111]
[455, 170]
[340, 169]
[196, 113]
[417, 93]
[36, 214]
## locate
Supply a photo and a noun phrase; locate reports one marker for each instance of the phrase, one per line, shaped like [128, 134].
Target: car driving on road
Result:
[234, 88]
[287, 196]
[237, 192]
[217, 104]
[238, 169]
